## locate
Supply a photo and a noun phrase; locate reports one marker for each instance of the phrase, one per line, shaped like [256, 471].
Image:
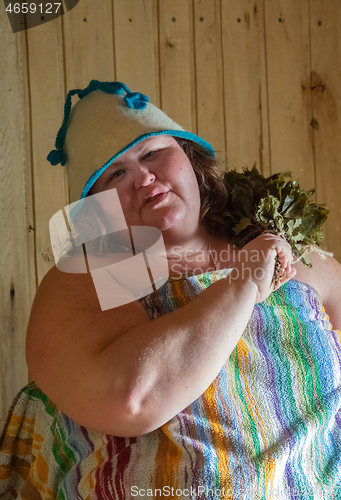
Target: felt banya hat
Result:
[106, 121]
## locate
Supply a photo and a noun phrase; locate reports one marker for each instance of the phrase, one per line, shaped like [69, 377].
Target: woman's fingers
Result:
[286, 258]
[273, 267]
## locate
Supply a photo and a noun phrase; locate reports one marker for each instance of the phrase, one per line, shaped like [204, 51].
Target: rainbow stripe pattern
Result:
[268, 427]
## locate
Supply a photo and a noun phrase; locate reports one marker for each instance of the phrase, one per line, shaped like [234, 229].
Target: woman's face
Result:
[157, 166]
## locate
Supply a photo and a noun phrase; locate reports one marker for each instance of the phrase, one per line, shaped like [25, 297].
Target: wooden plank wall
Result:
[17, 254]
[259, 80]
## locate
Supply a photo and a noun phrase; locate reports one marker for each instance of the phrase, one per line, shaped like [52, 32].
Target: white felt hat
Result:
[106, 122]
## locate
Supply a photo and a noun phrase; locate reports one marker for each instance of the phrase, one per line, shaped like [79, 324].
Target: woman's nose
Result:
[144, 177]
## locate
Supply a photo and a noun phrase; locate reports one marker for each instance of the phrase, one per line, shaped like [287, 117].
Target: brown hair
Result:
[213, 196]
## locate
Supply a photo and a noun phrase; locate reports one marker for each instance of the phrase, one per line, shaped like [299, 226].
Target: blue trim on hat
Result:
[177, 133]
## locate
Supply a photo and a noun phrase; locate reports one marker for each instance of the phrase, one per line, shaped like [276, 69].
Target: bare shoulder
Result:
[67, 327]
[325, 277]
[322, 275]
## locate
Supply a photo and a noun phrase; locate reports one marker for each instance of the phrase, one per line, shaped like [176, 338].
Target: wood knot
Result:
[315, 124]
[322, 91]
[169, 43]
[317, 82]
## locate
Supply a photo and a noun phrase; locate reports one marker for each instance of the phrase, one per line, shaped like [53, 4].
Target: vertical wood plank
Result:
[176, 62]
[136, 46]
[288, 66]
[208, 74]
[17, 283]
[264, 138]
[325, 19]
[245, 84]
[46, 78]
[89, 51]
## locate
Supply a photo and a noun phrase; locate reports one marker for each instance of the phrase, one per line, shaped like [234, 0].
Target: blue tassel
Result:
[55, 157]
[136, 100]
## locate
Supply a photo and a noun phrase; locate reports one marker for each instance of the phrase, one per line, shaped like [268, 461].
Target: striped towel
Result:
[268, 427]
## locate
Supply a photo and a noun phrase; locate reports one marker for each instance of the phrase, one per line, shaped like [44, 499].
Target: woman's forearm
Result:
[160, 367]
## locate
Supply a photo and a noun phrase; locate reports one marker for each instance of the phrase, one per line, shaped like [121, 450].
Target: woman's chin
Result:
[164, 221]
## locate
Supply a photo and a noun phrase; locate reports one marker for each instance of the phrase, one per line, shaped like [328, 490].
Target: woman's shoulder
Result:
[325, 277]
[74, 271]
[324, 272]
[62, 283]
[67, 317]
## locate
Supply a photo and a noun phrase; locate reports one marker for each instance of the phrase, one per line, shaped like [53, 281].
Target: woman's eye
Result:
[116, 174]
[150, 154]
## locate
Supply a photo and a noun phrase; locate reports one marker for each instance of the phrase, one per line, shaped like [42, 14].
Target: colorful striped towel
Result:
[268, 427]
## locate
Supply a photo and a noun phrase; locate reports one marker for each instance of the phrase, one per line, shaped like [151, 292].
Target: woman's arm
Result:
[325, 277]
[120, 373]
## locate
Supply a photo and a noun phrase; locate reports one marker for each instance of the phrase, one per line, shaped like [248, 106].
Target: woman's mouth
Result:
[156, 199]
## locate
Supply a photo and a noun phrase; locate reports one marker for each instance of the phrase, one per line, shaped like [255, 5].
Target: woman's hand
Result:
[256, 263]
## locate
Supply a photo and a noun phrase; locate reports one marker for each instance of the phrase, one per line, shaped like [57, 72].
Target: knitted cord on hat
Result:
[133, 100]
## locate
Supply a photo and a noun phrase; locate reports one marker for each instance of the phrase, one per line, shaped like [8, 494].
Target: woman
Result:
[132, 401]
